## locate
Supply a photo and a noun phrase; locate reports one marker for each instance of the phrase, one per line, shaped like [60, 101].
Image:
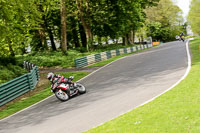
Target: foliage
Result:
[10, 72]
[17, 18]
[38, 21]
[10, 69]
[193, 16]
[56, 59]
[165, 21]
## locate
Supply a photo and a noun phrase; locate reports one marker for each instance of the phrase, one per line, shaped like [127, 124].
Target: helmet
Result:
[50, 76]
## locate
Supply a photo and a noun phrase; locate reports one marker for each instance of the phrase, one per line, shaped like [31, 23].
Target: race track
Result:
[111, 91]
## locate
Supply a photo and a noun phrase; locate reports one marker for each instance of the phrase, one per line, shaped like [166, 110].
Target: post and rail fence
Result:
[20, 85]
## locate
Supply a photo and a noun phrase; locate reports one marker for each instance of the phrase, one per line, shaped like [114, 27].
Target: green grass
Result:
[177, 111]
[28, 101]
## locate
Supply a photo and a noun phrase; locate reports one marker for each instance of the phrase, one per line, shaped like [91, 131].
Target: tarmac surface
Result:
[111, 91]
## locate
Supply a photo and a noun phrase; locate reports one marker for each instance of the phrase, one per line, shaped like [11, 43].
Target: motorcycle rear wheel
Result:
[62, 95]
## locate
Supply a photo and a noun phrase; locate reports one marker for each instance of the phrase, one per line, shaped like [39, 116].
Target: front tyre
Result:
[81, 88]
[61, 95]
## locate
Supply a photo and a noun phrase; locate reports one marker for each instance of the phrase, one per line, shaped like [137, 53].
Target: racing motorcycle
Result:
[65, 90]
[182, 38]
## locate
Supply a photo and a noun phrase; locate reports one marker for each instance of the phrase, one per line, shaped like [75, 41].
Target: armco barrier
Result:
[18, 86]
[92, 59]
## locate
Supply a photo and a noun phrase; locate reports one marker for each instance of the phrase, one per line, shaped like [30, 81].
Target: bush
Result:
[7, 60]
[56, 58]
[10, 72]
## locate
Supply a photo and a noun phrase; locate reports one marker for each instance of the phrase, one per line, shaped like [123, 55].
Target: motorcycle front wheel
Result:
[61, 95]
[81, 88]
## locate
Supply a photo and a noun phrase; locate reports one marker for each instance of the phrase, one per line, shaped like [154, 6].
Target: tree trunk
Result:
[75, 33]
[52, 39]
[99, 40]
[107, 40]
[85, 24]
[116, 42]
[42, 29]
[131, 38]
[128, 38]
[43, 37]
[75, 38]
[142, 38]
[125, 40]
[83, 35]
[23, 48]
[63, 28]
[39, 45]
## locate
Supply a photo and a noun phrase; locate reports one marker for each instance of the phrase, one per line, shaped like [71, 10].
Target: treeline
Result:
[193, 16]
[165, 21]
[82, 23]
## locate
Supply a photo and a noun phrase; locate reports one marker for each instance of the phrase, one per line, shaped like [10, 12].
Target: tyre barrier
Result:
[92, 59]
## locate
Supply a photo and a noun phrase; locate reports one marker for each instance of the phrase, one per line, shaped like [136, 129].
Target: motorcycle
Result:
[65, 90]
[182, 38]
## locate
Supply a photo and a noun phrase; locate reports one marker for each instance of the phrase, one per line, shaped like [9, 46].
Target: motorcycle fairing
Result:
[63, 86]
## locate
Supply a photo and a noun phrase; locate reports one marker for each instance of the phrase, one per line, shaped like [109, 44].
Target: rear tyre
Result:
[62, 95]
[81, 88]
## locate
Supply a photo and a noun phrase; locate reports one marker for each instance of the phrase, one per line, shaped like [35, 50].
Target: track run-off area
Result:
[111, 91]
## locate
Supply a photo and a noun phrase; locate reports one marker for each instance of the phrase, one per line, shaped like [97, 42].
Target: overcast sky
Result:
[184, 5]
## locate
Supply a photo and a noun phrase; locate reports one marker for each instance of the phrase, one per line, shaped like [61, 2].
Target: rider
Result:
[182, 35]
[58, 79]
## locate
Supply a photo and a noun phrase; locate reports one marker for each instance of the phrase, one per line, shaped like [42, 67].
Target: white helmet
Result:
[50, 76]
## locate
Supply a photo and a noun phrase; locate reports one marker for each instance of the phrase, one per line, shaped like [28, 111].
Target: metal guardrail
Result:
[19, 86]
[92, 59]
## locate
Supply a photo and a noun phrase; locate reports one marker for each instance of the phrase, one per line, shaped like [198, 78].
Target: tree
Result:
[193, 16]
[84, 17]
[17, 19]
[164, 21]
[63, 28]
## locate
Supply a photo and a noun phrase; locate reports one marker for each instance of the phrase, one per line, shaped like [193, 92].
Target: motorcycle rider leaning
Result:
[182, 35]
[58, 79]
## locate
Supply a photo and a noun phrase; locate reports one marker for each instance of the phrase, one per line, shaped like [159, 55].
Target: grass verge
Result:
[176, 111]
[30, 100]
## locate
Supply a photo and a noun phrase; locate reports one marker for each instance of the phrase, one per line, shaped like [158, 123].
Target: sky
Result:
[184, 5]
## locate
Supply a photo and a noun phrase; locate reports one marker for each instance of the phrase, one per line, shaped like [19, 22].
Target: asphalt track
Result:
[111, 91]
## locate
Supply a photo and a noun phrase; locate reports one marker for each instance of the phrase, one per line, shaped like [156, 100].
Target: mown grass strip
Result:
[28, 101]
[177, 111]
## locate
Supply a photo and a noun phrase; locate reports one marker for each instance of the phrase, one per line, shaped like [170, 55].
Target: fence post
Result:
[37, 73]
[24, 64]
[30, 81]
